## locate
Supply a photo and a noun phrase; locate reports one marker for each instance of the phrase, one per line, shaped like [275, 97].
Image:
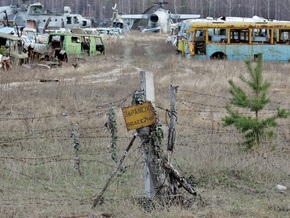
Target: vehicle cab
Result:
[63, 44]
[13, 45]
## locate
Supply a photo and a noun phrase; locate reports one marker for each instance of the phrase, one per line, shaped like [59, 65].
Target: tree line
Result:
[101, 10]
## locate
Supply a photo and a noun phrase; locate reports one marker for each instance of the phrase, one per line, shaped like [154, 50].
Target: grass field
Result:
[37, 174]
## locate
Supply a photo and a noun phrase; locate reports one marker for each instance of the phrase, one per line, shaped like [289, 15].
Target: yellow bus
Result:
[237, 40]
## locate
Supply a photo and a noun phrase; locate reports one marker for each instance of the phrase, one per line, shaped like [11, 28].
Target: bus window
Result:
[98, 41]
[199, 42]
[222, 32]
[85, 44]
[259, 35]
[75, 39]
[99, 45]
[239, 36]
[218, 35]
[54, 41]
[284, 35]
[199, 36]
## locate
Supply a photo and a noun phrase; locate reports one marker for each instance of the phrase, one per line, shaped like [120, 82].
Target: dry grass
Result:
[37, 178]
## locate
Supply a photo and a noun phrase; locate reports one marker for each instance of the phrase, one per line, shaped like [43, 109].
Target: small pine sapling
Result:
[253, 125]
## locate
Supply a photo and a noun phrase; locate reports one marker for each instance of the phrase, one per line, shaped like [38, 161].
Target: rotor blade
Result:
[184, 16]
[148, 9]
[145, 12]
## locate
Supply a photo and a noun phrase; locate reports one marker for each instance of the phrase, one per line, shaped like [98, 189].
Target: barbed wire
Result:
[64, 201]
[93, 132]
[56, 160]
[31, 134]
[65, 114]
[271, 111]
[213, 121]
[64, 127]
[27, 176]
[277, 168]
[204, 94]
[226, 98]
[183, 101]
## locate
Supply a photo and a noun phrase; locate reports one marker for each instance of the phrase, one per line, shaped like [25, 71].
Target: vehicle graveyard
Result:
[33, 50]
[37, 142]
[65, 150]
[48, 44]
[52, 41]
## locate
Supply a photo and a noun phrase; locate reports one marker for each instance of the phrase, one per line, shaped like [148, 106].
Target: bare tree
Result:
[174, 3]
[286, 7]
[229, 5]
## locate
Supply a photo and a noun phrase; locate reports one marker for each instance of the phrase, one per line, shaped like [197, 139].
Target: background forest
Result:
[101, 10]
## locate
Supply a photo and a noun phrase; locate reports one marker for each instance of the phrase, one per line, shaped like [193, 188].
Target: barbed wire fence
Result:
[200, 134]
[211, 109]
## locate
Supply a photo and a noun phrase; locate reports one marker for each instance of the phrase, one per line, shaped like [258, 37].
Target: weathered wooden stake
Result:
[112, 126]
[147, 86]
[156, 166]
[173, 118]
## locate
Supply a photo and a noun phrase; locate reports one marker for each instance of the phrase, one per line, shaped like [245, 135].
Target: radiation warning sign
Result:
[139, 116]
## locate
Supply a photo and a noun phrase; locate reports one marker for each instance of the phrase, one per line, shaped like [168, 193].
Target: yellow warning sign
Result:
[139, 116]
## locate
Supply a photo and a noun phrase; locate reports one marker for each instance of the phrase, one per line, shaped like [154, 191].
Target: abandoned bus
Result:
[237, 40]
[62, 44]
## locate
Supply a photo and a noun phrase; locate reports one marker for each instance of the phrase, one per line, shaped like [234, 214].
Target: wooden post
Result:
[147, 86]
[173, 118]
[155, 165]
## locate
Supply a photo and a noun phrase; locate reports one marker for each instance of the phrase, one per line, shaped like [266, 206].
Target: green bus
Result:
[60, 45]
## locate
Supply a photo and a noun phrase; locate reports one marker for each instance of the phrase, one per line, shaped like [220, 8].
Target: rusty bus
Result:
[237, 40]
[60, 45]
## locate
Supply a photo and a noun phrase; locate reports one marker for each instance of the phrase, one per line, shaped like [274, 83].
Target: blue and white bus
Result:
[237, 40]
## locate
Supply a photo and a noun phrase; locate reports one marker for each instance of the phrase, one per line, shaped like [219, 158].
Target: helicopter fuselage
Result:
[160, 18]
[44, 19]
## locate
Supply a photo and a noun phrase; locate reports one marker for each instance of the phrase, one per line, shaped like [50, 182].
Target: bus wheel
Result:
[218, 56]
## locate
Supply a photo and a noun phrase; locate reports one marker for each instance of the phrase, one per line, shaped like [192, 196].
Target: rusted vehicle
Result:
[237, 40]
[60, 45]
[12, 45]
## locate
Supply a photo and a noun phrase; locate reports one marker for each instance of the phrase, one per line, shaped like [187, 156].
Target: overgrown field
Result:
[37, 173]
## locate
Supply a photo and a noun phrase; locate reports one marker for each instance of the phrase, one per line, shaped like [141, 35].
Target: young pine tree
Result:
[254, 126]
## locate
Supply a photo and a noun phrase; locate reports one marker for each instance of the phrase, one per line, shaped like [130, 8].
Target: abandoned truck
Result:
[60, 45]
[12, 45]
